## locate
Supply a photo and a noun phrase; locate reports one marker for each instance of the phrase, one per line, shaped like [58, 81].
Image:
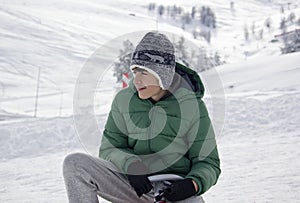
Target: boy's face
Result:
[146, 84]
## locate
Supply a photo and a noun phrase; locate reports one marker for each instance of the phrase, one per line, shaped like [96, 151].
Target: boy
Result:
[158, 125]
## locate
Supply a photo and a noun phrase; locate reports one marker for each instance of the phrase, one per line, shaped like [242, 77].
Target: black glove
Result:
[180, 190]
[140, 183]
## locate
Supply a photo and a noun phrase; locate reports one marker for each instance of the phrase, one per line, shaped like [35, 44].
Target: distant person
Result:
[158, 125]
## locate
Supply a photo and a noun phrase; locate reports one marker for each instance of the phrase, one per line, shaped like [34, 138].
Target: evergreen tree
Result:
[181, 52]
[161, 10]
[179, 10]
[205, 62]
[193, 13]
[151, 6]
[282, 9]
[186, 19]
[292, 17]
[169, 11]
[121, 66]
[206, 35]
[201, 60]
[291, 42]
[217, 59]
[195, 33]
[253, 28]
[174, 11]
[268, 23]
[246, 33]
[214, 21]
[232, 6]
[261, 34]
[202, 14]
[207, 17]
[283, 25]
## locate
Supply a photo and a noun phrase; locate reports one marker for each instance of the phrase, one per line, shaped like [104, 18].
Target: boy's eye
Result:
[144, 73]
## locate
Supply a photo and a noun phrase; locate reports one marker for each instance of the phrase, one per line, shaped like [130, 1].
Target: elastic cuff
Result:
[197, 182]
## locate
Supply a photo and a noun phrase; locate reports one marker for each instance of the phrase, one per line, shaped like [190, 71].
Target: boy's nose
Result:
[137, 79]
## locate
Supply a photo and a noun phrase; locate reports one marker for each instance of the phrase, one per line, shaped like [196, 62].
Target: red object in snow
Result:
[125, 80]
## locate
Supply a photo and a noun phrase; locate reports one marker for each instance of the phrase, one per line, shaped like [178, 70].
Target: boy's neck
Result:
[158, 96]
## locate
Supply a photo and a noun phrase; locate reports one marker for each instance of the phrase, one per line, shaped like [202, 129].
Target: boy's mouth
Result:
[141, 88]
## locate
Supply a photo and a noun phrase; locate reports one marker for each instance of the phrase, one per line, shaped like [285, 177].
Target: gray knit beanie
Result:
[155, 53]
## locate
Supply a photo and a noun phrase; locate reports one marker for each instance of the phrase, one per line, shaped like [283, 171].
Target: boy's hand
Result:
[180, 190]
[140, 183]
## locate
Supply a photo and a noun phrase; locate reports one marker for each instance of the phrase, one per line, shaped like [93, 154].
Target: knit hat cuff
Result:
[150, 71]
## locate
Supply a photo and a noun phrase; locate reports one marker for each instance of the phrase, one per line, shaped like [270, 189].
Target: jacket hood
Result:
[191, 79]
[187, 81]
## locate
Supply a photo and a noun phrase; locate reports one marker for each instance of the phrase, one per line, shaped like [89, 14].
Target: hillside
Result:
[256, 119]
[59, 37]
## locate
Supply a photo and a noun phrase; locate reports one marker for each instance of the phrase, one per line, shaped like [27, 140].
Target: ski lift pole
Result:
[37, 92]
[61, 102]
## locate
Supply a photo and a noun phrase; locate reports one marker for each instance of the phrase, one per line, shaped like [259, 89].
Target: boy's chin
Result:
[143, 96]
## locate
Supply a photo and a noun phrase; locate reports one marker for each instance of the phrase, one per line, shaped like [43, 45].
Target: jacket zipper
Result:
[152, 119]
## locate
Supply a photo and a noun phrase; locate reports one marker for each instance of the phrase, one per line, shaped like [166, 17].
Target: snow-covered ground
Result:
[259, 145]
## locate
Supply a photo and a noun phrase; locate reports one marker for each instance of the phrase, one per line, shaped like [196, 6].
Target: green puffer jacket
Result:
[173, 135]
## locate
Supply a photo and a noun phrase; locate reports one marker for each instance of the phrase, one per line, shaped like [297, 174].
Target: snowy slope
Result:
[258, 147]
[260, 139]
[59, 36]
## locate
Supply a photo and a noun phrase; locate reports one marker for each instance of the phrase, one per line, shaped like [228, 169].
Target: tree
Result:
[253, 28]
[169, 10]
[151, 6]
[261, 34]
[283, 25]
[181, 52]
[292, 17]
[282, 9]
[201, 60]
[203, 14]
[193, 13]
[161, 10]
[246, 33]
[174, 11]
[205, 62]
[217, 59]
[268, 23]
[206, 35]
[121, 66]
[186, 19]
[207, 17]
[214, 21]
[195, 33]
[232, 6]
[291, 42]
[179, 10]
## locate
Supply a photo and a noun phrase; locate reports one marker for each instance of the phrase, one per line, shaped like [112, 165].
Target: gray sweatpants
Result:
[86, 177]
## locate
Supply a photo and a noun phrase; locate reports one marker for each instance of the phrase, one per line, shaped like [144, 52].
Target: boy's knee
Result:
[72, 162]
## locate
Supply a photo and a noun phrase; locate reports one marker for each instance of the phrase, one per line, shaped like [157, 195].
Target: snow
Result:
[260, 138]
